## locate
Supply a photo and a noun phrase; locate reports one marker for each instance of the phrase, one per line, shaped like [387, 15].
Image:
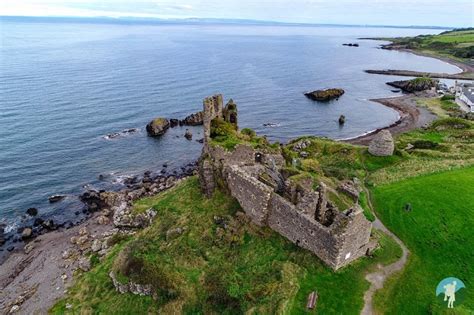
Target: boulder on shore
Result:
[382, 144]
[324, 95]
[415, 85]
[157, 127]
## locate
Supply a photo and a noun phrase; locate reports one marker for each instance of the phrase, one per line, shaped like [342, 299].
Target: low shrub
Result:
[424, 144]
[451, 123]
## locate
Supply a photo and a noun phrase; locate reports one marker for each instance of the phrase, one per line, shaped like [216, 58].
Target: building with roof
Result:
[465, 93]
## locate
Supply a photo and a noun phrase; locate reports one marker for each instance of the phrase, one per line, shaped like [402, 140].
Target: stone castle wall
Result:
[304, 216]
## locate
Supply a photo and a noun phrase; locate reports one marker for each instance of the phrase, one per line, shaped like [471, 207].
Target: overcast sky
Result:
[370, 12]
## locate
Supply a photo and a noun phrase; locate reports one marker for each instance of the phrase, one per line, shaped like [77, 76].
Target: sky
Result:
[457, 13]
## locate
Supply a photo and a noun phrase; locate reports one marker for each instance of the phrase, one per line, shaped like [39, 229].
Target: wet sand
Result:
[411, 116]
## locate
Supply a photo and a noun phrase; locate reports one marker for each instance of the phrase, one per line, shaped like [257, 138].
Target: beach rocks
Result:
[85, 264]
[32, 212]
[382, 144]
[415, 85]
[324, 95]
[157, 127]
[26, 233]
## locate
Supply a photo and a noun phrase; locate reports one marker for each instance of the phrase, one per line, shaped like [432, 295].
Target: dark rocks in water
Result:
[38, 222]
[415, 85]
[56, 198]
[200, 140]
[157, 127]
[271, 125]
[396, 91]
[10, 248]
[351, 45]
[342, 119]
[2, 240]
[32, 212]
[174, 122]
[324, 95]
[188, 135]
[124, 132]
[195, 119]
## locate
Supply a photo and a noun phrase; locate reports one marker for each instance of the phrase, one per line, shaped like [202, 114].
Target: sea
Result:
[65, 85]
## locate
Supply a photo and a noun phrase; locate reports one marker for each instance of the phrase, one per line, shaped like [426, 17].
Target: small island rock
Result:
[342, 120]
[157, 127]
[382, 144]
[324, 95]
[188, 135]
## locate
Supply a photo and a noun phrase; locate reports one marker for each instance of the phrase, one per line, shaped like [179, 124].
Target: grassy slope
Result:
[439, 233]
[249, 269]
[456, 45]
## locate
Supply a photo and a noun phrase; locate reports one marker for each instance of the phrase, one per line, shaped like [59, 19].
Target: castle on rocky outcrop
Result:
[270, 197]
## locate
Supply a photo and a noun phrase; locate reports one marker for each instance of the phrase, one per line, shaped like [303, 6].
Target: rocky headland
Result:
[415, 85]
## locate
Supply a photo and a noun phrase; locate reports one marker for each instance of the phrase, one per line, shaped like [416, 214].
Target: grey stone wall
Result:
[304, 216]
[252, 194]
[302, 230]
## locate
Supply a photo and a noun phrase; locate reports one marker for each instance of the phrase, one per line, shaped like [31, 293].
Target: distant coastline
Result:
[203, 21]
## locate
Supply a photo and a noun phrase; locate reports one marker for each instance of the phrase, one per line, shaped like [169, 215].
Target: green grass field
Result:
[209, 270]
[438, 231]
[456, 44]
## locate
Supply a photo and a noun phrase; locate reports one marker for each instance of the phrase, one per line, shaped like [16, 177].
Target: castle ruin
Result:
[256, 178]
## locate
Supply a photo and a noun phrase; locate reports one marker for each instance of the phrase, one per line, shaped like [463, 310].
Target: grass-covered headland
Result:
[457, 44]
[221, 264]
[202, 256]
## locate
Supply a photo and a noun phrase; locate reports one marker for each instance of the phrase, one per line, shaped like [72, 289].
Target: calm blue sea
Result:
[64, 86]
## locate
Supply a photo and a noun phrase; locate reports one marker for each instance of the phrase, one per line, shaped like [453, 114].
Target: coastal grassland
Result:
[220, 264]
[438, 231]
[456, 44]
[447, 144]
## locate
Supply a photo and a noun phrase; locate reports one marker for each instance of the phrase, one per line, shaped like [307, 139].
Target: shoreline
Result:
[411, 116]
[33, 278]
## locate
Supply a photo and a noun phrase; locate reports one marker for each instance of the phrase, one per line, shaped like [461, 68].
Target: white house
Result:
[465, 93]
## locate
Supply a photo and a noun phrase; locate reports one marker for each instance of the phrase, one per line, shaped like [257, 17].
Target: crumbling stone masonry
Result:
[294, 209]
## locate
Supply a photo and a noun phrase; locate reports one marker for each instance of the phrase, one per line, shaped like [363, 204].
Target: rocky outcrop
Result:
[342, 120]
[188, 134]
[382, 144]
[131, 287]
[324, 95]
[415, 85]
[195, 119]
[351, 45]
[157, 127]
